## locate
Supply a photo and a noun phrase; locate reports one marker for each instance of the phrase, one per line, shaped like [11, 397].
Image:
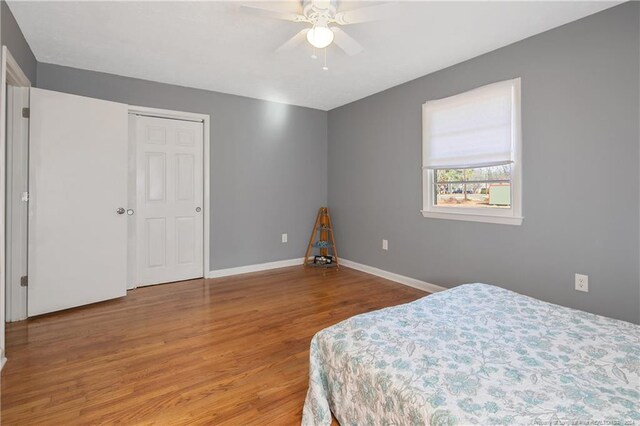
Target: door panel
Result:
[156, 238]
[169, 181]
[156, 176]
[185, 174]
[186, 235]
[77, 180]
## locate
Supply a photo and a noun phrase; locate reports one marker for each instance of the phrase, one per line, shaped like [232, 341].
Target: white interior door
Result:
[169, 188]
[77, 181]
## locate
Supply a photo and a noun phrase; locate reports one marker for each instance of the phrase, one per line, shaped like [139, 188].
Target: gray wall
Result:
[268, 161]
[580, 109]
[11, 36]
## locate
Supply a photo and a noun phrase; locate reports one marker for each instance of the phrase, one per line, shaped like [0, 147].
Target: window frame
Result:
[511, 216]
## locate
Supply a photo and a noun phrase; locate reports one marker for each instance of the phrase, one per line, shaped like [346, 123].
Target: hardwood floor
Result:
[223, 351]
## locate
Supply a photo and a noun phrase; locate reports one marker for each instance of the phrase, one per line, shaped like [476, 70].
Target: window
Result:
[471, 150]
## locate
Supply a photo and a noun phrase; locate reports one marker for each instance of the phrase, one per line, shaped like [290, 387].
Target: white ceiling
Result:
[216, 46]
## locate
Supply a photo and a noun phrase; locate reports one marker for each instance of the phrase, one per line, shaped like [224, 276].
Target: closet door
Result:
[78, 189]
[169, 200]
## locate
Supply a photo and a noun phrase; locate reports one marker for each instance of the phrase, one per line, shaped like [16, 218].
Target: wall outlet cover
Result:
[285, 238]
[385, 245]
[582, 282]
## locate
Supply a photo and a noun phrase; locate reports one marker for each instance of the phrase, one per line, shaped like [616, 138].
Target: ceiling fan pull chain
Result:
[325, 67]
[313, 55]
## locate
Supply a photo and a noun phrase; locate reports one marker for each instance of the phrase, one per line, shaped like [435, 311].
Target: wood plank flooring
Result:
[223, 351]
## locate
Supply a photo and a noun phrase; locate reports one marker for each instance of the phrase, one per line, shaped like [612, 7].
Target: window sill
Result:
[503, 220]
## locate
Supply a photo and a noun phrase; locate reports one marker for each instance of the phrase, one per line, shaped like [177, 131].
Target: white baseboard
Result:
[254, 268]
[411, 282]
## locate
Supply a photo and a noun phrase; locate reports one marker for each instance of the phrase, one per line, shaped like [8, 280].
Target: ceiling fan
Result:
[325, 20]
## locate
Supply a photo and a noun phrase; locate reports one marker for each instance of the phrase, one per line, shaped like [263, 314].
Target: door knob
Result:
[120, 210]
[198, 209]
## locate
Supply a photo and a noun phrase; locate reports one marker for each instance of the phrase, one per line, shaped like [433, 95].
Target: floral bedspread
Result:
[475, 354]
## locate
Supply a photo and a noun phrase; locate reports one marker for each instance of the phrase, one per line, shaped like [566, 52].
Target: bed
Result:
[475, 354]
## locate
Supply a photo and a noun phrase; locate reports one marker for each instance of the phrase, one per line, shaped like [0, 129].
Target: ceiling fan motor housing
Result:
[320, 11]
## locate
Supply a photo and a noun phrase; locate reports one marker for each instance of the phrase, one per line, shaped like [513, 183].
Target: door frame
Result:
[205, 119]
[17, 198]
[10, 73]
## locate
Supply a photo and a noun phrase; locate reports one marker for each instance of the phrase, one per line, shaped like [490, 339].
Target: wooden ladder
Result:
[325, 243]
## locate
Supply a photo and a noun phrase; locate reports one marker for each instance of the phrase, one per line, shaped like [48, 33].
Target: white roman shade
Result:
[473, 129]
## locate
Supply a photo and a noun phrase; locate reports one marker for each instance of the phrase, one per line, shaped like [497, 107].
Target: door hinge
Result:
[24, 281]
[26, 112]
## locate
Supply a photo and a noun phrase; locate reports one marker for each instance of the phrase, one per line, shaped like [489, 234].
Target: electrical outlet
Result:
[385, 245]
[582, 282]
[284, 238]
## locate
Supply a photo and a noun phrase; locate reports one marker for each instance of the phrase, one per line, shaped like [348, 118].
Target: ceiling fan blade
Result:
[366, 14]
[294, 41]
[345, 42]
[273, 13]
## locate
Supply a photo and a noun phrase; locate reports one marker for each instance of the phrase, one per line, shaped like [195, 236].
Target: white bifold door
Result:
[78, 192]
[169, 200]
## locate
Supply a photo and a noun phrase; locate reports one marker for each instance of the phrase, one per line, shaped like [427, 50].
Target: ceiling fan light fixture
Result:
[320, 36]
